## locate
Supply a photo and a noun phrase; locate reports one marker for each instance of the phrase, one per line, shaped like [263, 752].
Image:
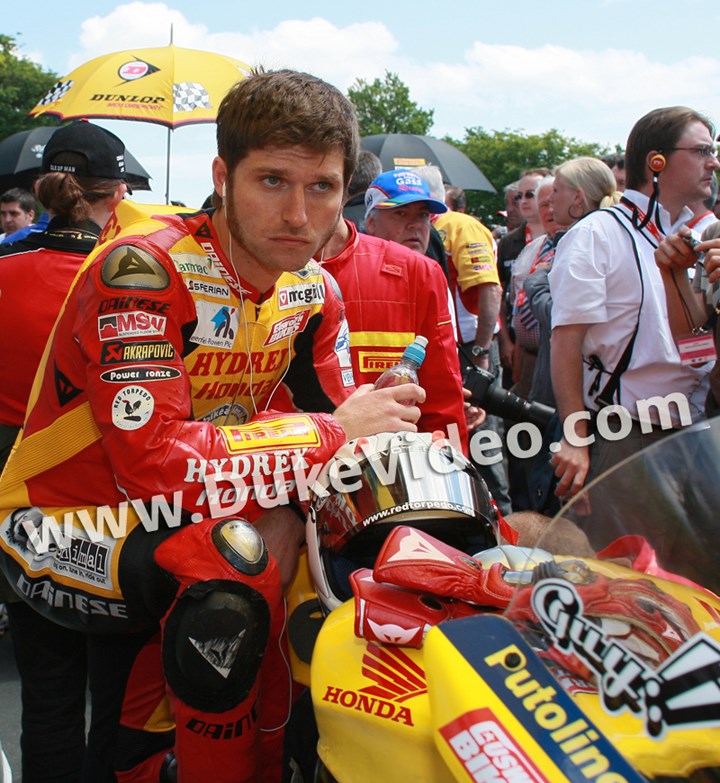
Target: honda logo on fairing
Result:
[397, 678]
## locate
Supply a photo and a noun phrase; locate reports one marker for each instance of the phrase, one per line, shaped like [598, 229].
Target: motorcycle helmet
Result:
[375, 483]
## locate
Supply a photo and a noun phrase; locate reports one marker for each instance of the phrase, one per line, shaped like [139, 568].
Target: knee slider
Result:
[241, 545]
[214, 642]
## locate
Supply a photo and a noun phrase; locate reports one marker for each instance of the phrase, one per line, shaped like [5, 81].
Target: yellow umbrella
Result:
[166, 85]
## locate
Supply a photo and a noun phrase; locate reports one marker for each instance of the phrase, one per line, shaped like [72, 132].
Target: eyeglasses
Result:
[704, 150]
[526, 194]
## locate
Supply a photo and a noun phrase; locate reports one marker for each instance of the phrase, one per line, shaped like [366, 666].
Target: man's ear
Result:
[118, 195]
[219, 175]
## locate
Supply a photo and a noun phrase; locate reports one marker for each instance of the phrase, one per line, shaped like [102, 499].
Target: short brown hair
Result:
[286, 108]
[658, 130]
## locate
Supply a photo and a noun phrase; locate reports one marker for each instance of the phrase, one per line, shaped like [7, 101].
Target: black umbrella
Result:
[21, 155]
[405, 150]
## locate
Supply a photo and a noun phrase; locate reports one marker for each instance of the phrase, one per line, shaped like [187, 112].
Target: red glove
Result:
[413, 559]
[391, 615]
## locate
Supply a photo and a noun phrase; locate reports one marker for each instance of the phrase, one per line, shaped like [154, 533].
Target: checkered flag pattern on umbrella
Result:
[56, 93]
[188, 96]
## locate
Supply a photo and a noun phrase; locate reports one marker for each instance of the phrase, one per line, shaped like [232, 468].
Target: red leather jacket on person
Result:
[35, 277]
[392, 294]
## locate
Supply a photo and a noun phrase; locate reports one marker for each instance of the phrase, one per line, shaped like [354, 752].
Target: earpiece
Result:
[657, 162]
[224, 190]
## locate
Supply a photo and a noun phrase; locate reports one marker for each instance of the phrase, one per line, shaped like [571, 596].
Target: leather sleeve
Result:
[146, 423]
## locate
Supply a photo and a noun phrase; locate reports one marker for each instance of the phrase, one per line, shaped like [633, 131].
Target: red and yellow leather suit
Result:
[159, 371]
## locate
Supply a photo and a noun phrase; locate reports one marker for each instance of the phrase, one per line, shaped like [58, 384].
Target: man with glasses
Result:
[613, 307]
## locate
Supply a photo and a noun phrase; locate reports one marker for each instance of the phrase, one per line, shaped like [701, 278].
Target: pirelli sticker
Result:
[378, 361]
[290, 432]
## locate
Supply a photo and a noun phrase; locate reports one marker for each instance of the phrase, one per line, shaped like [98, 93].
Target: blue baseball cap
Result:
[397, 187]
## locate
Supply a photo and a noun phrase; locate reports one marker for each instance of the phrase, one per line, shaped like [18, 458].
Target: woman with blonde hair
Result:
[582, 185]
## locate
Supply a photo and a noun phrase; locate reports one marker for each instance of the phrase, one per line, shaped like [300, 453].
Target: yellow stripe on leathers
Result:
[385, 339]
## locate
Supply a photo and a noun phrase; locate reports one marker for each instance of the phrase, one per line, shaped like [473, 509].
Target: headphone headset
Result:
[657, 162]
[224, 189]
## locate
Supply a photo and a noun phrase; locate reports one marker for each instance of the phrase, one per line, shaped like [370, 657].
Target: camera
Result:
[692, 240]
[501, 402]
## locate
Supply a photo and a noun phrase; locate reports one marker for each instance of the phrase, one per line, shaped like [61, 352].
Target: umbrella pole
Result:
[167, 167]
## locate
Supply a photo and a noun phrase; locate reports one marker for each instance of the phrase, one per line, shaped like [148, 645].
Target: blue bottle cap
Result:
[416, 350]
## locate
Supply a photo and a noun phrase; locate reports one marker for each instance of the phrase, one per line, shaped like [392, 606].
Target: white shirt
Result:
[595, 280]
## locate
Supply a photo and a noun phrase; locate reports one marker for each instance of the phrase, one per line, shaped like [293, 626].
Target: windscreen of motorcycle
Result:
[625, 612]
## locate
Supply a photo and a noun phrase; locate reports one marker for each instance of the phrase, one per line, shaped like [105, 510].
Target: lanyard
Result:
[692, 223]
[638, 218]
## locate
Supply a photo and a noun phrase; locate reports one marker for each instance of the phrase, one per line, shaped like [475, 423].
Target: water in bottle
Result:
[405, 371]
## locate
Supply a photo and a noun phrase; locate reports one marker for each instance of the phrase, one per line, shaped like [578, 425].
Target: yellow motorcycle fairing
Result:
[372, 708]
[499, 715]
[389, 713]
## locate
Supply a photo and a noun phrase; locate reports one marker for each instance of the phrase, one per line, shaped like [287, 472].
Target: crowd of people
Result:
[160, 345]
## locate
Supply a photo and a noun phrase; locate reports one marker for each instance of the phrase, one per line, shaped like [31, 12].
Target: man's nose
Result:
[294, 209]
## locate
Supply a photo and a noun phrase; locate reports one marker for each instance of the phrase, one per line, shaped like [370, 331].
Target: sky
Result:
[588, 68]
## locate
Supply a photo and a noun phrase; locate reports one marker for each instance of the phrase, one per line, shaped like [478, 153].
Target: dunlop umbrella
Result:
[166, 85]
[21, 156]
[405, 150]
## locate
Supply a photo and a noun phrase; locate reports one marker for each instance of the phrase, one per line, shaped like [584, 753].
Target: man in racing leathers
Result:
[392, 294]
[153, 408]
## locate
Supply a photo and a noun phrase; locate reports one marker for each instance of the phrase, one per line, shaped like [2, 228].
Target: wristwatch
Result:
[478, 351]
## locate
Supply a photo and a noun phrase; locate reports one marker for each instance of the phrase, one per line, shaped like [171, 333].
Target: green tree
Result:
[385, 107]
[22, 85]
[503, 155]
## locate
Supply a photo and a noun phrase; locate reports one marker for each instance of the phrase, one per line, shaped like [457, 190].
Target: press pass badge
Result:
[697, 348]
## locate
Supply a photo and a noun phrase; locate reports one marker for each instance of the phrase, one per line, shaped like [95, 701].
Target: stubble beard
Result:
[238, 238]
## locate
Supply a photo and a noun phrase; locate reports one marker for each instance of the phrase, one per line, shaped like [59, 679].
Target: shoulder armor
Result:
[127, 266]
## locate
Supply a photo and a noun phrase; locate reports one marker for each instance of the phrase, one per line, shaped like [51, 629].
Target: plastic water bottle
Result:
[405, 371]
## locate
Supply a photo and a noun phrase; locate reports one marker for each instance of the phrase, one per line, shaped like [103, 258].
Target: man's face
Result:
[545, 209]
[13, 217]
[619, 175]
[408, 225]
[512, 210]
[687, 176]
[282, 206]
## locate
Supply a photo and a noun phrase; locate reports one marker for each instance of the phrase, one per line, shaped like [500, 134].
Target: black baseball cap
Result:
[85, 150]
